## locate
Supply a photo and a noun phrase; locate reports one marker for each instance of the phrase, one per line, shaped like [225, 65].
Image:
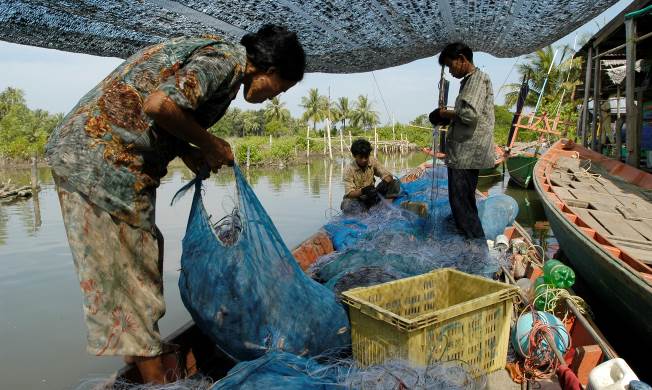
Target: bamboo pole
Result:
[248, 156]
[350, 139]
[342, 142]
[308, 142]
[330, 185]
[35, 194]
[328, 126]
[375, 141]
[330, 146]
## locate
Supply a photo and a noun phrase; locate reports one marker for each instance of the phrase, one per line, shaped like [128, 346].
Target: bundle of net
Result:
[391, 241]
[281, 370]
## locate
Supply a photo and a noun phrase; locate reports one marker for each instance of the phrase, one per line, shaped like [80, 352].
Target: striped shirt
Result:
[470, 140]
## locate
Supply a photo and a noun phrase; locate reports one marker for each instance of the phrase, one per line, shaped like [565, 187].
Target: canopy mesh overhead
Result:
[339, 35]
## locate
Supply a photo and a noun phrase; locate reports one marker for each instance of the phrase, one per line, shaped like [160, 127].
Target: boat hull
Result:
[521, 169]
[623, 295]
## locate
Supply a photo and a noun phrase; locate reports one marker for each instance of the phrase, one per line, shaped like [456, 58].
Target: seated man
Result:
[359, 178]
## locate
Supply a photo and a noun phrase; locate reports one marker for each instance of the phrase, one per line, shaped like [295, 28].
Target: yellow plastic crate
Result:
[439, 316]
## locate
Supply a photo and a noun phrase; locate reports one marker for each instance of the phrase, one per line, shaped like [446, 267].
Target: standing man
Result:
[110, 153]
[469, 142]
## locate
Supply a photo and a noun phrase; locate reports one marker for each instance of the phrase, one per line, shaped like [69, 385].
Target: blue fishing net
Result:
[392, 240]
[244, 289]
[280, 370]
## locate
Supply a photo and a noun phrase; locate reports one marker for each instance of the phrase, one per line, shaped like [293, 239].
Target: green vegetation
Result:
[23, 132]
[559, 94]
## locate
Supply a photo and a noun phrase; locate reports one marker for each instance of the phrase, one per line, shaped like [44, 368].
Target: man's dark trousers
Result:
[461, 195]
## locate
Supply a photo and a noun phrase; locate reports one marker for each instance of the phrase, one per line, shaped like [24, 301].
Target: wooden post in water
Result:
[375, 141]
[596, 103]
[325, 145]
[328, 125]
[330, 185]
[585, 103]
[35, 190]
[619, 124]
[248, 157]
[308, 142]
[33, 176]
[633, 133]
[342, 142]
[328, 131]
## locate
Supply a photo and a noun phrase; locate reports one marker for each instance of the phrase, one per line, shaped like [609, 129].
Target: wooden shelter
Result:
[617, 62]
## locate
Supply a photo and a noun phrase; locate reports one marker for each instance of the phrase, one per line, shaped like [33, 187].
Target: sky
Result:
[54, 80]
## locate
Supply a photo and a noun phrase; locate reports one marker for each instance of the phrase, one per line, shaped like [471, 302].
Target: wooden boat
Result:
[520, 168]
[202, 356]
[498, 168]
[520, 163]
[601, 213]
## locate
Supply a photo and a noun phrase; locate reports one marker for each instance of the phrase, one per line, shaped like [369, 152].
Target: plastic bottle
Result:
[613, 374]
[558, 274]
[542, 294]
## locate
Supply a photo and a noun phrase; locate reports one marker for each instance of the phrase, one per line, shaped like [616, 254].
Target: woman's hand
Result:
[193, 159]
[217, 152]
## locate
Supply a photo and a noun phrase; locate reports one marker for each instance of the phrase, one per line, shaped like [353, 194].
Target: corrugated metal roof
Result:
[339, 35]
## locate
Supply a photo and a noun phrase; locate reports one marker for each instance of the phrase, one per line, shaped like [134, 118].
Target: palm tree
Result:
[343, 111]
[250, 123]
[275, 110]
[364, 114]
[564, 75]
[315, 106]
[10, 98]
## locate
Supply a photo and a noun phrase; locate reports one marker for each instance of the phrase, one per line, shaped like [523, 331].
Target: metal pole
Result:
[596, 103]
[585, 103]
[630, 69]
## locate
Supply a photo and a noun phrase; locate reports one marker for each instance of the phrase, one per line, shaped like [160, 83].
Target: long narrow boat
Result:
[601, 213]
[201, 355]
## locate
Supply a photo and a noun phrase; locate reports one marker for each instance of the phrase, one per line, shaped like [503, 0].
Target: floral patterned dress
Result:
[108, 157]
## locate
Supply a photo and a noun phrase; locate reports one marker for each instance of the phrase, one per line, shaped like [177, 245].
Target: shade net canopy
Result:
[340, 36]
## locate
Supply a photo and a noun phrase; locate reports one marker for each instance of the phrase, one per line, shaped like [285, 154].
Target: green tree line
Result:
[23, 132]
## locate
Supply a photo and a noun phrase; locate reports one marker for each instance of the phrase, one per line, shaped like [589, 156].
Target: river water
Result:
[42, 334]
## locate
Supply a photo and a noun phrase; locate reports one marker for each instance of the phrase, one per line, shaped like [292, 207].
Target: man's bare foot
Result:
[158, 370]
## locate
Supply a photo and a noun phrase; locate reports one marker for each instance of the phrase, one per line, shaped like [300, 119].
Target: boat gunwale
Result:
[621, 261]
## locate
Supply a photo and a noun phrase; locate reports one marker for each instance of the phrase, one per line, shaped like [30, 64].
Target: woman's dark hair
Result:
[360, 147]
[275, 46]
[455, 50]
